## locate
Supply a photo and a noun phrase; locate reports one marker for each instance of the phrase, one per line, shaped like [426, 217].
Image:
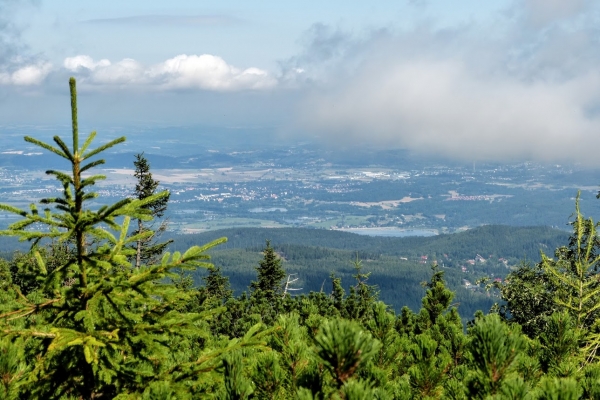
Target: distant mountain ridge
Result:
[507, 241]
[398, 266]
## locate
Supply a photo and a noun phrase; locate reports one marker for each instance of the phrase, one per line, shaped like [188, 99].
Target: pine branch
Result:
[46, 146]
[91, 165]
[13, 210]
[63, 147]
[61, 176]
[103, 147]
[87, 143]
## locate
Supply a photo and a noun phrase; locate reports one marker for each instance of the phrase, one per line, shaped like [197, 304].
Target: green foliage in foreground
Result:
[90, 325]
[79, 321]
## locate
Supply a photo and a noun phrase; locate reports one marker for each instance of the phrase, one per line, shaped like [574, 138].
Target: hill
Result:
[397, 265]
[505, 241]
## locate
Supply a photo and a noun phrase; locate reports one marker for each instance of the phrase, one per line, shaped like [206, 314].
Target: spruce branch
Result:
[87, 142]
[91, 165]
[63, 147]
[46, 146]
[103, 147]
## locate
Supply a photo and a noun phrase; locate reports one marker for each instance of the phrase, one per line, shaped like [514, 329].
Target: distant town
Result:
[376, 192]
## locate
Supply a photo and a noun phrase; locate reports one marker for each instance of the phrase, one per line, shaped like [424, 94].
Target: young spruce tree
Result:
[148, 250]
[269, 283]
[97, 328]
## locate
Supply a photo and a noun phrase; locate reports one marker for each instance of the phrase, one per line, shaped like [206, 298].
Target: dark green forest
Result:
[395, 264]
[99, 306]
[508, 241]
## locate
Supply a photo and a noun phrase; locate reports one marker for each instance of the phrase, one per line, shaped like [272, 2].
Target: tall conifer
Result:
[270, 275]
[148, 250]
[97, 328]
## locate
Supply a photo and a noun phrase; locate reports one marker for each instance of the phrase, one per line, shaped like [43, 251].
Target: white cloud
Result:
[467, 93]
[205, 72]
[82, 61]
[17, 66]
[209, 72]
[126, 71]
[27, 75]
[441, 108]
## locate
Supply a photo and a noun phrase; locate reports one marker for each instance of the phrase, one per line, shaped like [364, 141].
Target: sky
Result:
[496, 80]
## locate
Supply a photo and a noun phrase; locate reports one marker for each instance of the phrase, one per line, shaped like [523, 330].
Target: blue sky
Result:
[243, 33]
[489, 80]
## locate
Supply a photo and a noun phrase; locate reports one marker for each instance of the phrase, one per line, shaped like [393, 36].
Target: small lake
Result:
[390, 232]
[264, 210]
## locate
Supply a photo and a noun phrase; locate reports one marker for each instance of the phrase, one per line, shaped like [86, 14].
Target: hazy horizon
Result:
[504, 80]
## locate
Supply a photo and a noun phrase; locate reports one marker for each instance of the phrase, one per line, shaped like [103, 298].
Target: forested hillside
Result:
[396, 265]
[523, 243]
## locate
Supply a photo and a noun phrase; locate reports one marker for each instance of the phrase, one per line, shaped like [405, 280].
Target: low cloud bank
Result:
[525, 87]
[204, 71]
[26, 75]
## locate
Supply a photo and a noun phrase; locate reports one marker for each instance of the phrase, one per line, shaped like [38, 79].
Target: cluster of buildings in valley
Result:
[469, 266]
[219, 194]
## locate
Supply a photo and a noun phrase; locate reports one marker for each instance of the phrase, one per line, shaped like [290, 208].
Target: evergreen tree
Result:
[13, 368]
[437, 297]
[5, 276]
[559, 350]
[429, 366]
[269, 282]
[291, 342]
[337, 294]
[575, 272]
[495, 348]
[24, 267]
[358, 305]
[268, 376]
[216, 285]
[566, 283]
[382, 328]
[148, 250]
[344, 348]
[111, 330]
[237, 386]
